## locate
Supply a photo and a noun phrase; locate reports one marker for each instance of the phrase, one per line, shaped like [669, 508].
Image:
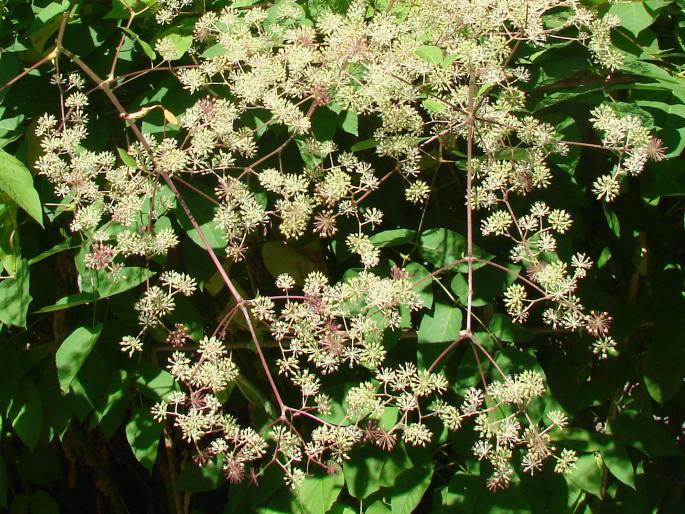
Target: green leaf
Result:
[196, 479]
[504, 329]
[45, 14]
[318, 7]
[634, 15]
[203, 212]
[350, 122]
[17, 182]
[443, 325]
[618, 462]
[149, 51]
[143, 433]
[663, 365]
[363, 471]
[317, 494]
[366, 144]
[410, 488]
[587, 475]
[14, 295]
[127, 159]
[155, 383]
[106, 285]
[488, 283]
[59, 247]
[73, 352]
[296, 260]
[423, 282]
[442, 247]
[398, 462]
[324, 124]
[254, 395]
[70, 301]
[431, 54]
[377, 507]
[395, 237]
[434, 105]
[644, 433]
[26, 414]
[43, 503]
[181, 43]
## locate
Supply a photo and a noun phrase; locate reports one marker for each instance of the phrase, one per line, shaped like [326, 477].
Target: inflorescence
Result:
[433, 73]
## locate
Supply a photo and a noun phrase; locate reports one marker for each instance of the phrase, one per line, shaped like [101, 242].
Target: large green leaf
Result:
[445, 248]
[587, 475]
[206, 478]
[410, 488]
[296, 260]
[634, 15]
[14, 295]
[317, 494]
[73, 352]
[430, 54]
[26, 414]
[17, 182]
[363, 471]
[142, 433]
[103, 286]
[394, 237]
[443, 325]
[644, 433]
[618, 462]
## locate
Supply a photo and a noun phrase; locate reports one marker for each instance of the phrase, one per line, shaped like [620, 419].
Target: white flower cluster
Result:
[430, 74]
[630, 139]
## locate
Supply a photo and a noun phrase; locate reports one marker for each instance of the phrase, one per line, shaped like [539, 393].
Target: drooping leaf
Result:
[410, 488]
[127, 159]
[587, 475]
[73, 352]
[143, 433]
[147, 49]
[17, 182]
[26, 414]
[14, 295]
[618, 462]
[317, 493]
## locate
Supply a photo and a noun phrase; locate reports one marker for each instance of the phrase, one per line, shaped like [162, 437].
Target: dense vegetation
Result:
[379, 256]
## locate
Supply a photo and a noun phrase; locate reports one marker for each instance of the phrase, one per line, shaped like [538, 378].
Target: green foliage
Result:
[79, 430]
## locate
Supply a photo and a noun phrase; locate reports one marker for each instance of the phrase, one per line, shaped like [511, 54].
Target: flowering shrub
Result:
[346, 252]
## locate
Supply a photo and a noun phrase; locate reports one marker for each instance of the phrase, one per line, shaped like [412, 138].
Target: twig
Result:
[469, 206]
[443, 354]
